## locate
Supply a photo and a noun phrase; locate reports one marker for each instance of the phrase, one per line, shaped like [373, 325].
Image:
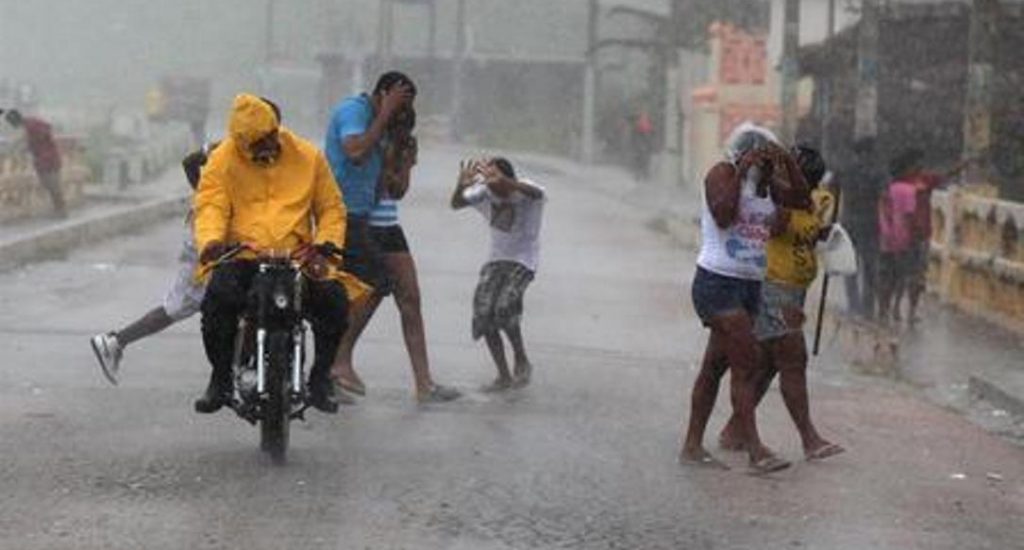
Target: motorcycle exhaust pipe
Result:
[261, 338]
[297, 360]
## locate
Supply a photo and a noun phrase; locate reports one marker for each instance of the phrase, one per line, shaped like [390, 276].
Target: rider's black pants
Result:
[326, 308]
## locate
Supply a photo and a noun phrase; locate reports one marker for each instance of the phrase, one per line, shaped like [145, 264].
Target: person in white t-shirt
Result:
[182, 299]
[514, 209]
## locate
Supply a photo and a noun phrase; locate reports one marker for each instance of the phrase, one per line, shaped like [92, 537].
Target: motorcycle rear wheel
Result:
[274, 421]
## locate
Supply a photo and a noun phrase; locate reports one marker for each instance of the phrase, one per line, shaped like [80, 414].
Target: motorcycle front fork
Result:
[296, 372]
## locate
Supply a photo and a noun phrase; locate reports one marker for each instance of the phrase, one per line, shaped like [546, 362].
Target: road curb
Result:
[996, 394]
[66, 236]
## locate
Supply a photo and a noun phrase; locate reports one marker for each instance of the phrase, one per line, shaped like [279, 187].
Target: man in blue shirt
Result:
[361, 129]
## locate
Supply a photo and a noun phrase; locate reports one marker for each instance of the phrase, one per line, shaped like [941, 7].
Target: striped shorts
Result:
[498, 300]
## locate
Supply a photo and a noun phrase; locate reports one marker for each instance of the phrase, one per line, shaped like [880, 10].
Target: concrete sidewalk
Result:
[107, 212]
[968, 364]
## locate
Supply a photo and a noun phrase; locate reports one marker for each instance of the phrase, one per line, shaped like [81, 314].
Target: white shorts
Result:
[185, 295]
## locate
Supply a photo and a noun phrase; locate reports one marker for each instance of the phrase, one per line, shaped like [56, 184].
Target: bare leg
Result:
[791, 358]
[897, 299]
[51, 182]
[358, 319]
[523, 367]
[916, 290]
[407, 298]
[154, 321]
[497, 349]
[885, 291]
[703, 396]
[742, 353]
[732, 437]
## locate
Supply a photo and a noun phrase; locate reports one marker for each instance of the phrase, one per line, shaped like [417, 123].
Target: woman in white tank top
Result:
[736, 218]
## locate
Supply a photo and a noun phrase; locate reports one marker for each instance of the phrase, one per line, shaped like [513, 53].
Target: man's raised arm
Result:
[360, 136]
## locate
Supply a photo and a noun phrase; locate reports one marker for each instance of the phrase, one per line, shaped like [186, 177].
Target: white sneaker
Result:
[108, 353]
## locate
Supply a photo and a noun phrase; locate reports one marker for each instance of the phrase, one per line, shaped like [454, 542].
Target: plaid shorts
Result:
[498, 300]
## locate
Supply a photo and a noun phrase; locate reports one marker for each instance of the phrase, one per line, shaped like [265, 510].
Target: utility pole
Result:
[827, 92]
[865, 124]
[590, 84]
[268, 35]
[457, 68]
[977, 130]
[432, 38]
[385, 32]
[790, 69]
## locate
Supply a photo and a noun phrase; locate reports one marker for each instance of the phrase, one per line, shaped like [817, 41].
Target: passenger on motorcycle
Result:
[270, 190]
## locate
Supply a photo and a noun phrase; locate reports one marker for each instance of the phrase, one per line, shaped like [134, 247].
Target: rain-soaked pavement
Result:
[583, 458]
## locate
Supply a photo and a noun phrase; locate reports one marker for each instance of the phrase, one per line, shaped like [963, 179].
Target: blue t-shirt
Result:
[352, 117]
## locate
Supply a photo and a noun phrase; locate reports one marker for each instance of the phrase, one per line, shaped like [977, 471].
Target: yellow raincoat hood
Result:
[251, 119]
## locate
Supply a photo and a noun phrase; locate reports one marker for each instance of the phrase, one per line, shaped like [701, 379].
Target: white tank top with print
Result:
[738, 250]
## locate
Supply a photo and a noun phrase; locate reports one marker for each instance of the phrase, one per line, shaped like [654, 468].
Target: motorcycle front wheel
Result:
[276, 407]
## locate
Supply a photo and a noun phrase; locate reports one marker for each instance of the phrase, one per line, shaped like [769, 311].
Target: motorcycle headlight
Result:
[281, 300]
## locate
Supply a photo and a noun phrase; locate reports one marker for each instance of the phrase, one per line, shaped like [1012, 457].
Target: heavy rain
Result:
[508, 275]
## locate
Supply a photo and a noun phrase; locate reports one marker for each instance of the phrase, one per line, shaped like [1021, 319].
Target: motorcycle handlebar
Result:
[328, 250]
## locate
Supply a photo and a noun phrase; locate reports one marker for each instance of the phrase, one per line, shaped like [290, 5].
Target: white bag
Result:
[836, 253]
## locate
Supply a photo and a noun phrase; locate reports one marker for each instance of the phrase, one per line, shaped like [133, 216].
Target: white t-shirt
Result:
[515, 223]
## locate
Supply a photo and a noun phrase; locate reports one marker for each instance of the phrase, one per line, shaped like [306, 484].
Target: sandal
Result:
[351, 386]
[823, 452]
[705, 460]
[342, 396]
[769, 464]
[499, 385]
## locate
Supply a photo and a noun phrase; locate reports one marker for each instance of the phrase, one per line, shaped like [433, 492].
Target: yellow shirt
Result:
[791, 258]
[292, 202]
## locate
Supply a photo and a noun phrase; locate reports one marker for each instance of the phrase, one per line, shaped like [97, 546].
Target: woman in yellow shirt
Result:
[792, 267]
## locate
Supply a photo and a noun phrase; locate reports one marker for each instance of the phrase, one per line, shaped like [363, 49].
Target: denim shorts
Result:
[776, 299]
[715, 294]
[363, 256]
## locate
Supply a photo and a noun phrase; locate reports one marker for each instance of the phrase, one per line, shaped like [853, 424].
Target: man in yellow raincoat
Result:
[269, 189]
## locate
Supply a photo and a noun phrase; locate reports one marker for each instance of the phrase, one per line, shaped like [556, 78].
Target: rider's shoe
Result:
[321, 394]
[108, 352]
[217, 394]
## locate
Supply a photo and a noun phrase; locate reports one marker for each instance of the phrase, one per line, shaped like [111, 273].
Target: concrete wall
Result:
[21, 195]
[977, 256]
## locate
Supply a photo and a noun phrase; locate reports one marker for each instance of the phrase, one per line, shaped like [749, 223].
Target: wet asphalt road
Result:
[583, 458]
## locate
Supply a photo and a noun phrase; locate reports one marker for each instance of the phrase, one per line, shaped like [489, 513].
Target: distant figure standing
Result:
[45, 156]
[862, 182]
[643, 143]
[896, 223]
[925, 183]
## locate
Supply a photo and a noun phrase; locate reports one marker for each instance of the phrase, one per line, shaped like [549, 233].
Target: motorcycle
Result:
[268, 371]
